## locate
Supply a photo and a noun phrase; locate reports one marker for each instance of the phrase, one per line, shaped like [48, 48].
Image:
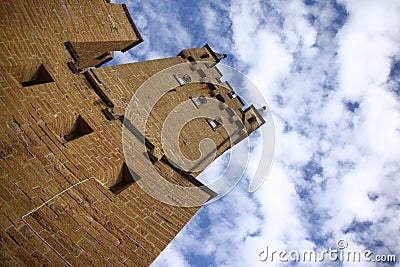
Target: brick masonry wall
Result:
[120, 83]
[60, 153]
[55, 208]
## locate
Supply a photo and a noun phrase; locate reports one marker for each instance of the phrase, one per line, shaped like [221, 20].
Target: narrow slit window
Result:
[80, 129]
[40, 76]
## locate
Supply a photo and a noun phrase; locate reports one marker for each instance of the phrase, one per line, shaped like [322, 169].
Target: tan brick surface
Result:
[56, 208]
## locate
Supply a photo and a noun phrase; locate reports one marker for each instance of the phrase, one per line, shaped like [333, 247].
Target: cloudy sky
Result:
[330, 71]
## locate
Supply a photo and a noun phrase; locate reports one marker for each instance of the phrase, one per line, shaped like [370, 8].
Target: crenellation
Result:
[61, 151]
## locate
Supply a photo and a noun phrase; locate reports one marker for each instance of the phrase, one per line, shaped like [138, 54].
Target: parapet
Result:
[204, 53]
[68, 196]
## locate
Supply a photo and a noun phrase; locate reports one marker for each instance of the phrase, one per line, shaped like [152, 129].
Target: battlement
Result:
[204, 53]
[190, 80]
[69, 196]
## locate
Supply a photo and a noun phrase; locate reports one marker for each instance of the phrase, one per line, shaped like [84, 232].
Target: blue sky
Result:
[330, 71]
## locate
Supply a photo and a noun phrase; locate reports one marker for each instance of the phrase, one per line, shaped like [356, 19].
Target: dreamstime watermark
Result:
[147, 108]
[339, 253]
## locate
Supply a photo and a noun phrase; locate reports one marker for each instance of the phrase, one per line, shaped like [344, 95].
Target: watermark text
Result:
[339, 253]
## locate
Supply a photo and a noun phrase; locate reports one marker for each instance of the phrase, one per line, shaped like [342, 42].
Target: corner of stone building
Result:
[204, 53]
[252, 118]
[99, 50]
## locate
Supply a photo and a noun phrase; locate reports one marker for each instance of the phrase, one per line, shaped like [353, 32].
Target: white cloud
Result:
[367, 41]
[174, 258]
[161, 26]
[369, 38]
[216, 26]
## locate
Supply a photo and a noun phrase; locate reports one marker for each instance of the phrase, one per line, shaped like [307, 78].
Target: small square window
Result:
[40, 76]
[239, 124]
[232, 95]
[125, 179]
[215, 123]
[201, 73]
[252, 120]
[220, 98]
[182, 78]
[230, 112]
[198, 101]
[211, 86]
[81, 128]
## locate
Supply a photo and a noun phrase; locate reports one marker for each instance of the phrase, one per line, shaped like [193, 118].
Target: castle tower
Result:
[67, 194]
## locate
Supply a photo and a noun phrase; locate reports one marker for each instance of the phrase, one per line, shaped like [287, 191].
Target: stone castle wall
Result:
[66, 197]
